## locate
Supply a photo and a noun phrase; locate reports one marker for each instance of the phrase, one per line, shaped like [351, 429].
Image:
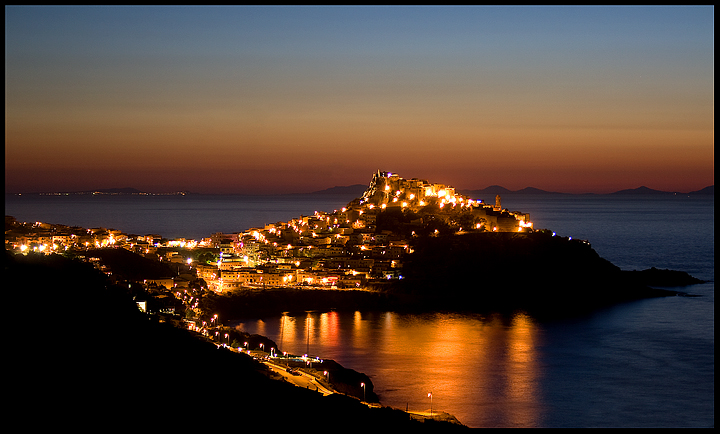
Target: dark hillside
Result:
[84, 357]
[132, 266]
[532, 271]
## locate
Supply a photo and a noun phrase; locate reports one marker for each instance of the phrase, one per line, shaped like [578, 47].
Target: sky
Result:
[299, 99]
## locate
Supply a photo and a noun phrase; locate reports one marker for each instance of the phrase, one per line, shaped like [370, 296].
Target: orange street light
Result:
[430, 396]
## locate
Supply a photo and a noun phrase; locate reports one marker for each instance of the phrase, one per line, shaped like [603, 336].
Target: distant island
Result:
[710, 190]
[354, 190]
[106, 191]
[496, 189]
[359, 189]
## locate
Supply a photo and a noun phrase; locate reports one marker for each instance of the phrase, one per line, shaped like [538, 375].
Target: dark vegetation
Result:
[132, 266]
[85, 357]
[476, 272]
[504, 271]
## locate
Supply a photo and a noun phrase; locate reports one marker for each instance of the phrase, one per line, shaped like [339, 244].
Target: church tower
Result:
[498, 207]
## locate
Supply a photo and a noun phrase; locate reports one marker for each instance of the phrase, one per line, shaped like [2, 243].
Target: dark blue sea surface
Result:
[172, 216]
[632, 231]
[648, 363]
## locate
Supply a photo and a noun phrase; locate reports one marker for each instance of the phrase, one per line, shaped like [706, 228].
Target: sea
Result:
[647, 363]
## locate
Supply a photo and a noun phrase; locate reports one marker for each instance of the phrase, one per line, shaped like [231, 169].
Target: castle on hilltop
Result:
[389, 190]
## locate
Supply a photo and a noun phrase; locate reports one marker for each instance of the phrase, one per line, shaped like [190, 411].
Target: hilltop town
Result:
[352, 251]
[359, 245]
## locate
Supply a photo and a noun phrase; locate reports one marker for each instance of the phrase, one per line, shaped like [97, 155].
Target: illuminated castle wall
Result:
[390, 190]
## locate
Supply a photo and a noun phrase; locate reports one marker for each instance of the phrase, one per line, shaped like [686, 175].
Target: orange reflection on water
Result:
[480, 368]
[261, 328]
[363, 334]
[469, 364]
[522, 370]
[287, 333]
[310, 332]
[330, 328]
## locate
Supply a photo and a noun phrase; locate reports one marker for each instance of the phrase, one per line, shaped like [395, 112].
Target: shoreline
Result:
[326, 388]
[255, 304]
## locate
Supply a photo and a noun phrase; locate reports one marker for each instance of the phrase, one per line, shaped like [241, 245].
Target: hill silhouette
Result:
[709, 190]
[353, 190]
[536, 272]
[641, 190]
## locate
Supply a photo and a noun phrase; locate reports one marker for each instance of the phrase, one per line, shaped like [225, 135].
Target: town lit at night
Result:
[360, 218]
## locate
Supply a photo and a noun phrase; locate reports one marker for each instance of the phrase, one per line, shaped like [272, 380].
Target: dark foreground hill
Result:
[84, 357]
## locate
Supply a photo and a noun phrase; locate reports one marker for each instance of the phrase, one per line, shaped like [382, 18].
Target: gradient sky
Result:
[298, 99]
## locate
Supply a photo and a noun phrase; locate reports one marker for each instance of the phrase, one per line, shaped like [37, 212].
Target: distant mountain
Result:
[707, 190]
[640, 190]
[533, 190]
[645, 190]
[356, 190]
[496, 189]
[493, 189]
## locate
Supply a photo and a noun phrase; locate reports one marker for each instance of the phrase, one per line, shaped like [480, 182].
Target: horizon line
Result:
[495, 187]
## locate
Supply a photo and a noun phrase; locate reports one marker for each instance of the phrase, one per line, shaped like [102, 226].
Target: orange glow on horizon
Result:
[610, 112]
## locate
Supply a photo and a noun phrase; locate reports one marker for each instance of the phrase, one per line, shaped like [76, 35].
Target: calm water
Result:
[642, 364]
[191, 216]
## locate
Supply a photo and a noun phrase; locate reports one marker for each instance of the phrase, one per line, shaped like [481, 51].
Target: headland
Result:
[405, 244]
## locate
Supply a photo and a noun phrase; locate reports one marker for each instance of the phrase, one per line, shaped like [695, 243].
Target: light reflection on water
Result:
[477, 368]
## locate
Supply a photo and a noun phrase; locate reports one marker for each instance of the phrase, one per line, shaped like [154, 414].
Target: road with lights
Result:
[300, 379]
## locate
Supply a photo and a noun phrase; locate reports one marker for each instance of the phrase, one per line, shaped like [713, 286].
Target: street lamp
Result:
[430, 396]
[228, 338]
[363, 386]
